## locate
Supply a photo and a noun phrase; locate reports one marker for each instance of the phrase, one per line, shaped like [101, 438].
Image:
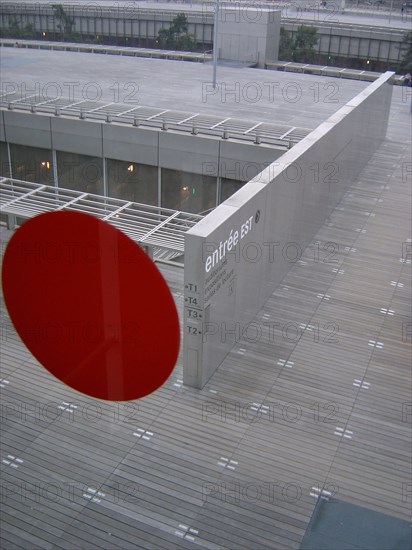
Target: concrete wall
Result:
[242, 250]
[206, 155]
[248, 34]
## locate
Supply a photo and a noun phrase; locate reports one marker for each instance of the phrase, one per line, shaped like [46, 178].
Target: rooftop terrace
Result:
[306, 421]
[274, 97]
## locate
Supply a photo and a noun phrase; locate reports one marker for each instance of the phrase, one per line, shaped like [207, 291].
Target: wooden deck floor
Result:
[321, 403]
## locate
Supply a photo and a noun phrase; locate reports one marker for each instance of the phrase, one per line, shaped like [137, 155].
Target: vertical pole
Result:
[9, 168]
[105, 182]
[390, 12]
[159, 174]
[215, 44]
[218, 190]
[159, 186]
[54, 164]
[218, 178]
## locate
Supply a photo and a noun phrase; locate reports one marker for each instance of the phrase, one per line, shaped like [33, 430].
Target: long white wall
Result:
[233, 256]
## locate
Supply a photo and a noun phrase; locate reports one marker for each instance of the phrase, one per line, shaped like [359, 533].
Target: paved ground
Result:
[321, 404]
[254, 94]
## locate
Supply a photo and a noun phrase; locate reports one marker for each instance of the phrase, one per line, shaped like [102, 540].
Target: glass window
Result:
[4, 160]
[31, 164]
[188, 192]
[80, 172]
[131, 181]
[228, 187]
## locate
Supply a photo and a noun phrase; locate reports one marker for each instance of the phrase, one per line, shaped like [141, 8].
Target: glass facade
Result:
[132, 181]
[188, 192]
[228, 187]
[126, 180]
[80, 172]
[4, 160]
[31, 164]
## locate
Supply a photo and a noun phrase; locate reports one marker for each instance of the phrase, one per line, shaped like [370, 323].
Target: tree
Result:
[14, 30]
[305, 40]
[28, 32]
[285, 45]
[301, 48]
[65, 22]
[180, 23]
[176, 36]
[406, 46]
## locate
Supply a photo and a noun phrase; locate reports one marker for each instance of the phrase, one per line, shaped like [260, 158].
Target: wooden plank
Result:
[180, 475]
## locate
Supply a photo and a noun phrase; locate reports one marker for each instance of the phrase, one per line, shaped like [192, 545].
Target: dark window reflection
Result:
[229, 187]
[132, 181]
[188, 192]
[4, 160]
[80, 172]
[31, 164]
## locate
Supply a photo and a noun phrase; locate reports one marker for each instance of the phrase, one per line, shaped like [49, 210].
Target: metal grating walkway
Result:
[150, 226]
[155, 118]
[286, 419]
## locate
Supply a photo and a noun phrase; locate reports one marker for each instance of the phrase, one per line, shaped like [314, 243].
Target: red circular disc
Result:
[91, 306]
